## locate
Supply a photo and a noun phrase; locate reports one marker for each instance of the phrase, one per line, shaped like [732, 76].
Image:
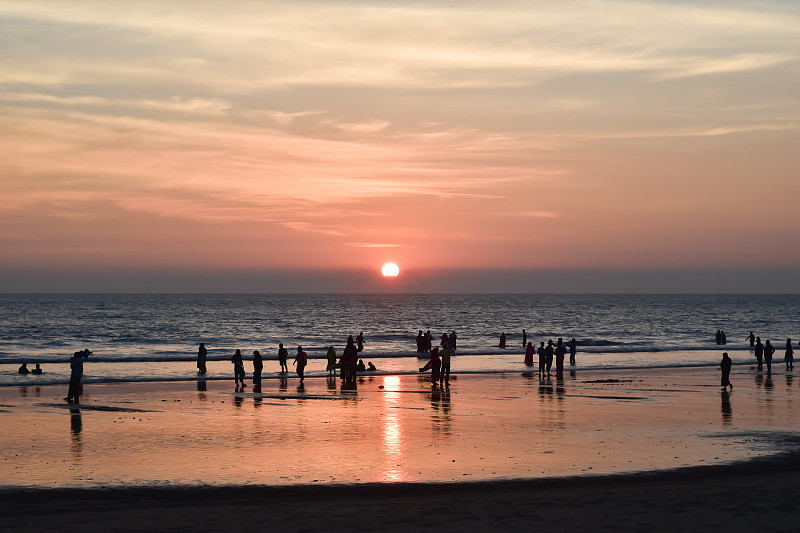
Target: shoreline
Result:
[749, 495]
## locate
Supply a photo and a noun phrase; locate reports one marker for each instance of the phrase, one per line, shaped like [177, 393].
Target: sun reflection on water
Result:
[392, 429]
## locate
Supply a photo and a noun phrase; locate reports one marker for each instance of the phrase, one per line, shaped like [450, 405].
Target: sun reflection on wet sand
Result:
[392, 429]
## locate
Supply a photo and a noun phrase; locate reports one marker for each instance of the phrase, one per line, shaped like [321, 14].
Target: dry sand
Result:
[596, 452]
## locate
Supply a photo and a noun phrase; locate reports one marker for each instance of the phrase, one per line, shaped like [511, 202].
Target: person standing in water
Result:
[360, 342]
[524, 338]
[502, 340]
[542, 359]
[725, 366]
[434, 365]
[444, 375]
[529, 351]
[76, 367]
[573, 349]
[202, 355]
[759, 353]
[752, 339]
[349, 362]
[301, 360]
[561, 351]
[788, 357]
[238, 369]
[331, 356]
[548, 357]
[258, 366]
[768, 351]
[283, 354]
[453, 340]
[420, 342]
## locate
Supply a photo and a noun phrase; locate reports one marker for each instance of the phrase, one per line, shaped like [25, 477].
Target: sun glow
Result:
[390, 270]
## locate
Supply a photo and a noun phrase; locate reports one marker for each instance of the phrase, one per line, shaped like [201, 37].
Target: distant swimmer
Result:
[453, 341]
[529, 351]
[725, 365]
[361, 367]
[524, 338]
[37, 370]
[371, 367]
[788, 358]
[768, 351]
[283, 354]
[331, 356]
[360, 342]
[24, 369]
[752, 339]
[759, 353]
[238, 369]
[573, 349]
[202, 356]
[502, 340]
[301, 360]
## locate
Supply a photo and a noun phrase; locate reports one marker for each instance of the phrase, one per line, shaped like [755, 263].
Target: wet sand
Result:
[596, 451]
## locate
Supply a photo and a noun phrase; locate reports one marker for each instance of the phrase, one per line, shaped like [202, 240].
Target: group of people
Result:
[439, 365]
[722, 339]
[23, 369]
[547, 354]
[764, 352]
[425, 341]
[349, 364]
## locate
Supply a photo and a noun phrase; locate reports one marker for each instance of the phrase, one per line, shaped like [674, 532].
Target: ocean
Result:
[154, 337]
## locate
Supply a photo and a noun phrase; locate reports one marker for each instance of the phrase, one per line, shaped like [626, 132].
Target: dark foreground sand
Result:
[757, 495]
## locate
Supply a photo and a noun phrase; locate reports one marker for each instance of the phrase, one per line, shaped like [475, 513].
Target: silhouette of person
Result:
[258, 366]
[202, 355]
[24, 369]
[725, 365]
[360, 342]
[283, 354]
[445, 342]
[349, 360]
[502, 340]
[723, 338]
[718, 337]
[37, 370]
[529, 351]
[444, 375]
[371, 367]
[788, 358]
[524, 338]
[361, 367]
[301, 360]
[238, 369]
[752, 339]
[759, 352]
[561, 351]
[573, 349]
[420, 342]
[542, 359]
[331, 356]
[548, 356]
[76, 367]
[434, 365]
[428, 340]
[453, 341]
[768, 351]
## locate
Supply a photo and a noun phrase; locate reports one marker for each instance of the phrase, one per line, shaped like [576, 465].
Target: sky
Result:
[589, 146]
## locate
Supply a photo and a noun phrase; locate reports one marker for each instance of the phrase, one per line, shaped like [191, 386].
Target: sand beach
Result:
[649, 449]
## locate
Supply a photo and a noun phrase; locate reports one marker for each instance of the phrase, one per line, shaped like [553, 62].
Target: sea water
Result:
[153, 337]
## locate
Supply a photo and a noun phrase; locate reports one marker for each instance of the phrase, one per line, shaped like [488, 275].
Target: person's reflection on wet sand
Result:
[331, 382]
[572, 374]
[789, 380]
[560, 388]
[545, 388]
[237, 400]
[283, 384]
[768, 385]
[759, 380]
[258, 400]
[75, 427]
[727, 411]
[301, 387]
[201, 389]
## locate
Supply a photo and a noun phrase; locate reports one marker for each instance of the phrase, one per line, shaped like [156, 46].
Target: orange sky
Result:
[337, 136]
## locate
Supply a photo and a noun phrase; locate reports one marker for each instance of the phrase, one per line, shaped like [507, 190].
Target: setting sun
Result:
[390, 270]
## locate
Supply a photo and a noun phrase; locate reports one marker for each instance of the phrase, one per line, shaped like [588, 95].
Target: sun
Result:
[390, 270]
